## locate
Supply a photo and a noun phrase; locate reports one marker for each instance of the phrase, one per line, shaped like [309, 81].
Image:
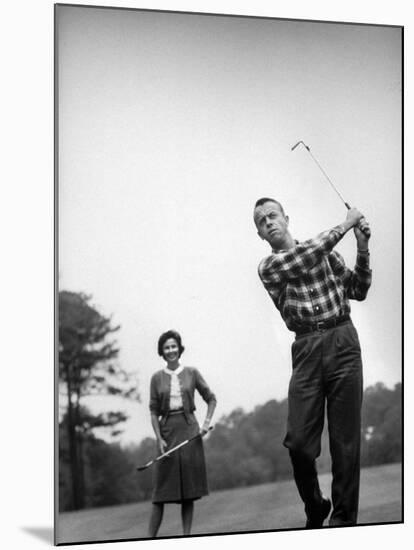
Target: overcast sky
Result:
[170, 127]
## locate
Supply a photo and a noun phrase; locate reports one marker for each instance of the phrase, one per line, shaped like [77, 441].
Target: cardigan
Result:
[190, 380]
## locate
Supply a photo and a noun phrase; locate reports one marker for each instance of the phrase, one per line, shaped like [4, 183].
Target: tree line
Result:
[245, 448]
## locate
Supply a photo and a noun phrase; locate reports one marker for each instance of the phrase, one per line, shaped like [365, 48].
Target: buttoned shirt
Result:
[310, 282]
[176, 400]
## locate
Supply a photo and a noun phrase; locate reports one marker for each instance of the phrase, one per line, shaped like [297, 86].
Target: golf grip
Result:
[366, 232]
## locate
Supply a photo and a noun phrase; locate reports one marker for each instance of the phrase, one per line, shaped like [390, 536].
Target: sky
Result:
[171, 126]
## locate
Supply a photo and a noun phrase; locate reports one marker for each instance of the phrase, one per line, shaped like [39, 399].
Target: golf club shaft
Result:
[167, 453]
[329, 180]
[366, 232]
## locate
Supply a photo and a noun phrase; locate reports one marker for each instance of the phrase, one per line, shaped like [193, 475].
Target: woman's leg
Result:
[156, 519]
[187, 508]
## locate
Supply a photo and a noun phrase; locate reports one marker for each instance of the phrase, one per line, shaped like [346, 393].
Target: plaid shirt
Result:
[310, 282]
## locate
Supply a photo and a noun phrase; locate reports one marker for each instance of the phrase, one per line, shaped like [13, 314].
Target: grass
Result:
[270, 506]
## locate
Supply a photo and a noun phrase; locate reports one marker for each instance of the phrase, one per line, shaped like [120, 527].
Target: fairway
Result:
[270, 506]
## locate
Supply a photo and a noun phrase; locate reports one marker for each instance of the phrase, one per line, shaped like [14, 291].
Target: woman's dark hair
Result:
[166, 336]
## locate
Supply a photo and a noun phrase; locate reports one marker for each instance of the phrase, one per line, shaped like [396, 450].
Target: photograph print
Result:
[228, 272]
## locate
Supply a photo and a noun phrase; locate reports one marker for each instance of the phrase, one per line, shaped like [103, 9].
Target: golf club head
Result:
[298, 143]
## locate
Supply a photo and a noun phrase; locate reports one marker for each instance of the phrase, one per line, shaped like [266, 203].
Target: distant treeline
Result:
[244, 449]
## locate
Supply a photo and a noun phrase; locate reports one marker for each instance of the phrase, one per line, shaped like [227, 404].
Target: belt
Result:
[322, 325]
[175, 411]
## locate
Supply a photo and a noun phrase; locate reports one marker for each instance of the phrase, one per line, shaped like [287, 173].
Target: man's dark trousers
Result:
[327, 367]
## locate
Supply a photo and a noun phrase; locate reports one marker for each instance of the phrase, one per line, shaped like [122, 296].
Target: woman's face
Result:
[170, 350]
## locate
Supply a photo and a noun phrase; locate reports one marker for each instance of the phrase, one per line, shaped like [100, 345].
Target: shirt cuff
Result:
[339, 229]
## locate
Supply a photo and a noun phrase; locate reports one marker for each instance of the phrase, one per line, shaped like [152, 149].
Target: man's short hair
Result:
[264, 200]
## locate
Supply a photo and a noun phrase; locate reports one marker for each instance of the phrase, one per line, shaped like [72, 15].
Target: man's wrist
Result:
[341, 228]
[346, 226]
[362, 245]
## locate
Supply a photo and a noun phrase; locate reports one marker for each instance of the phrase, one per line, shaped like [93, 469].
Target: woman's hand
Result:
[162, 445]
[205, 426]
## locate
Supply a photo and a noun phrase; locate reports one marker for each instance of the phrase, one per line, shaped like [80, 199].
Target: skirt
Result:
[181, 475]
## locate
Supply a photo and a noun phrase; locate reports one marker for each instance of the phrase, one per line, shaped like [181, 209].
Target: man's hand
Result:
[362, 233]
[353, 217]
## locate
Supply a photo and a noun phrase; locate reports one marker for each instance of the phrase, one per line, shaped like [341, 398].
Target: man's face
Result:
[271, 223]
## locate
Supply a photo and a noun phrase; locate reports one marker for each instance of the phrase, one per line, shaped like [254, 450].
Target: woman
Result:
[180, 477]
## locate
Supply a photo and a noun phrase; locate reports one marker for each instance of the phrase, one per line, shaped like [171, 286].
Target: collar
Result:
[174, 372]
[285, 249]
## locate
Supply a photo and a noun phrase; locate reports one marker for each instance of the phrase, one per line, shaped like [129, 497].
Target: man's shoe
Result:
[317, 517]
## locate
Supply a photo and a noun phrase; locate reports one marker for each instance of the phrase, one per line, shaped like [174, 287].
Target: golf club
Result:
[367, 231]
[167, 453]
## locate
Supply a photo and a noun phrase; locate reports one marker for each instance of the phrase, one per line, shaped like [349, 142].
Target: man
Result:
[311, 287]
